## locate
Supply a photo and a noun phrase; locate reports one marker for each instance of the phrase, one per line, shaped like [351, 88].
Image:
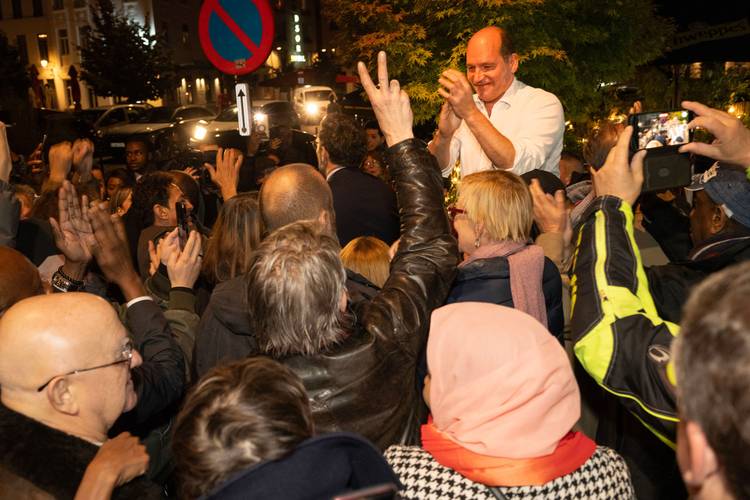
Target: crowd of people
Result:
[342, 333]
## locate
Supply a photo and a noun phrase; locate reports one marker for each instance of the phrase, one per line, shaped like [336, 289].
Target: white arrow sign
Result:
[242, 93]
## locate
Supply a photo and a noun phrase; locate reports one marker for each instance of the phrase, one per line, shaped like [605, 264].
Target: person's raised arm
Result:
[111, 252]
[60, 161]
[618, 336]
[160, 380]
[732, 144]
[226, 175]
[552, 217]
[73, 233]
[424, 266]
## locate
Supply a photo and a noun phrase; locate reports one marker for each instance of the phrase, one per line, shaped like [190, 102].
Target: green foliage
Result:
[15, 81]
[567, 47]
[122, 59]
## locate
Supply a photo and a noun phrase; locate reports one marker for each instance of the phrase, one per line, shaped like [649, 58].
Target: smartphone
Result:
[183, 229]
[387, 491]
[661, 133]
[260, 122]
[657, 129]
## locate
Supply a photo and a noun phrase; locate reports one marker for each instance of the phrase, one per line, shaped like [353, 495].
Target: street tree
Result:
[122, 58]
[569, 47]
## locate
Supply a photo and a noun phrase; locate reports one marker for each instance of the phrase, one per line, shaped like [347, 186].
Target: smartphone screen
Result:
[182, 223]
[662, 128]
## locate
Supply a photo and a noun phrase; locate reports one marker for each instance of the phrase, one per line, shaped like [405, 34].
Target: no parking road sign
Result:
[236, 35]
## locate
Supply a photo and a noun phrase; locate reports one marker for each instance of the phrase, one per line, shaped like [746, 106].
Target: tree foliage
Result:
[568, 47]
[122, 59]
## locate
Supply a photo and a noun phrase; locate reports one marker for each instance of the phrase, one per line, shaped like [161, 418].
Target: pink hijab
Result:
[501, 385]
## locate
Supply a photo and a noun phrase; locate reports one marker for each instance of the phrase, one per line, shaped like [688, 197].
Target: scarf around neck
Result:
[573, 450]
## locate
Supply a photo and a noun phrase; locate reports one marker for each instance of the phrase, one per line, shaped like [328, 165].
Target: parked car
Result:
[266, 115]
[311, 102]
[162, 126]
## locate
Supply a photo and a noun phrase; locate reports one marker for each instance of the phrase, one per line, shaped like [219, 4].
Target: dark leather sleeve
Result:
[425, 265]
[160, 380]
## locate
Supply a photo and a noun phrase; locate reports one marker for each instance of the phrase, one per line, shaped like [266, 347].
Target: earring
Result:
[477, 243]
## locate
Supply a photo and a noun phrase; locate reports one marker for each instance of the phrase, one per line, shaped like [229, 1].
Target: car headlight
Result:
[312, 108]
[199, 132]
[259, 117]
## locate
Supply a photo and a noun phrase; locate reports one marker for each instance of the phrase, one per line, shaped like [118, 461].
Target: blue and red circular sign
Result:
[236, 35]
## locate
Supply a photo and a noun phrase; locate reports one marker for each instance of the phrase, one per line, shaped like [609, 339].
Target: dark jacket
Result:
[50, 460]
[319, 468]
[671, 284]
[367, 384]
[364, 206]
[159, 381]
[224, 333]
[488, 280]
[624, 346]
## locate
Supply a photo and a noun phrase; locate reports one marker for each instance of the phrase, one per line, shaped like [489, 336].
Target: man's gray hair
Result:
[294, 291]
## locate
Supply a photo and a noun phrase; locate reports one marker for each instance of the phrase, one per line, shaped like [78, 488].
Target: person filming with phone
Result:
[490, 120]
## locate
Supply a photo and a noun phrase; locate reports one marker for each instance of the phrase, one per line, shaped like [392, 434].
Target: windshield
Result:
[318, 95]
[156, 115]
[228, 115]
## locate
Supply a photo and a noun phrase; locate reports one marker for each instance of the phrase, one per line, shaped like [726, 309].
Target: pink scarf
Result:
[526, 264]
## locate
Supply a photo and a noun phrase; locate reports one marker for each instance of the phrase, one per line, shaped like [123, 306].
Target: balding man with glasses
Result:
[65, 373]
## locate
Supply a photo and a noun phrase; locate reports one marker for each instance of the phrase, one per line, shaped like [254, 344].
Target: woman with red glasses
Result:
[493, 218]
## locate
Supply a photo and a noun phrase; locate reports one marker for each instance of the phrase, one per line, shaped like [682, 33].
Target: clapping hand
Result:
[73, 233]
[226, 174]
[448, 122]
[184, 266]
[457, 91]
[551, 213]
[389, 102]
[110, 250]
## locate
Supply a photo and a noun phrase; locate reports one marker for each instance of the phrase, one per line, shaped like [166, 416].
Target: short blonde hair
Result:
[501, 202]
[368, 256]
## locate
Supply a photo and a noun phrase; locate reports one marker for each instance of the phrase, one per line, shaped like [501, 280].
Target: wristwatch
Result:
[64, 283]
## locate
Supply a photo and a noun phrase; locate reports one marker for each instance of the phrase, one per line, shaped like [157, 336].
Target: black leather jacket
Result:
[367, 383]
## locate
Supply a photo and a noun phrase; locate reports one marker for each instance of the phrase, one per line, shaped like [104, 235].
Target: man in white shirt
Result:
[504, 125]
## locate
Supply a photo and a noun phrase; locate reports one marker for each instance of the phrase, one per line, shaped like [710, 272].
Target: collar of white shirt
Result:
[506, 100]
[328, 177]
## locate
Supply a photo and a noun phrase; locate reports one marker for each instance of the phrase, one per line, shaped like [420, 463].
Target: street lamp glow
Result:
[44, 63]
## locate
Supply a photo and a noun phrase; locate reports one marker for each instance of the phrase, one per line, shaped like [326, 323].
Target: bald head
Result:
[18, 278]
[493, 37]
[59, 332]
[293, 193]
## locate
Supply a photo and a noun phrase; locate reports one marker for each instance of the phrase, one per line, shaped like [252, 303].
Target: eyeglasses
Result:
[454, 211]
[127, 355]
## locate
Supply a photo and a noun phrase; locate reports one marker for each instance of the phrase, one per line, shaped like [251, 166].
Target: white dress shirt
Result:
[532, 119]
